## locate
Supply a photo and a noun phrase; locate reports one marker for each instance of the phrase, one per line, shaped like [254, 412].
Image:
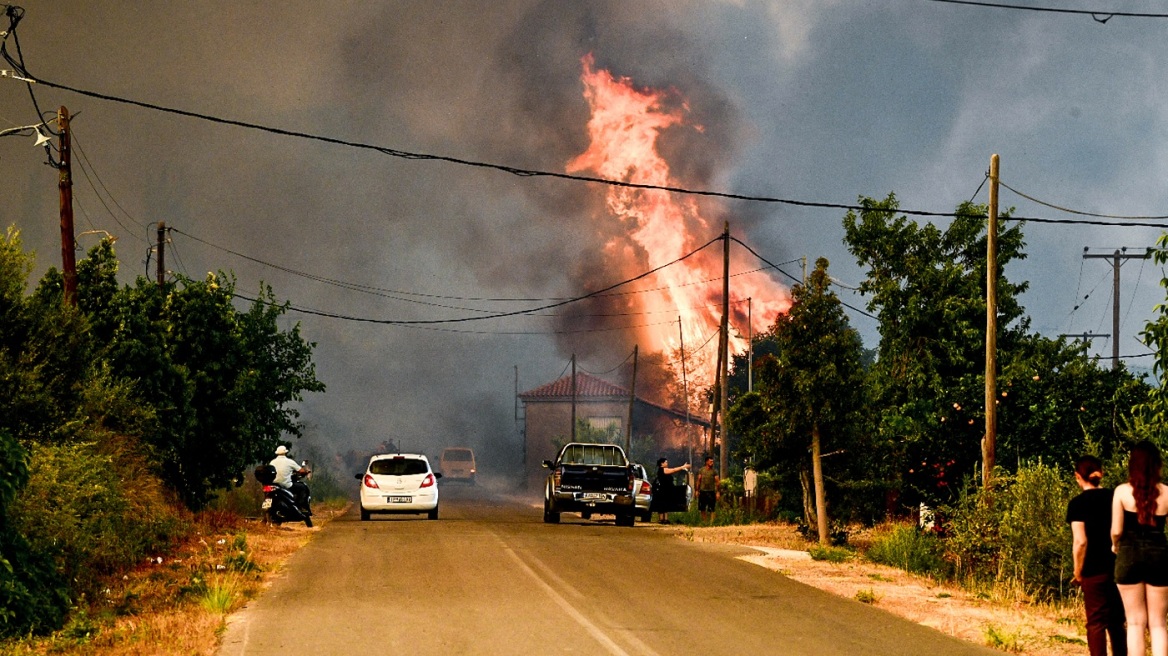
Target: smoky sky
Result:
[498, 83]
[819, 100]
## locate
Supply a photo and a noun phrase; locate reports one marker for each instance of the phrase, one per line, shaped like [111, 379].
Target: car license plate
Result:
[593, 495]
[399, 499]
[266, 504]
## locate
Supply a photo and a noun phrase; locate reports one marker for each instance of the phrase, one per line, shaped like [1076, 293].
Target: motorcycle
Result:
[282, 505]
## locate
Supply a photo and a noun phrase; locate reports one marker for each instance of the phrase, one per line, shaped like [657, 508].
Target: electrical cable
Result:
[605, 373]
[499, 315]
[1079, 212]
[409, 155]
[755, 253]
[77, 144]
[1094, 14]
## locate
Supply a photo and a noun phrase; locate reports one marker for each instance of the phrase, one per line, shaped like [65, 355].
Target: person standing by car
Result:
[1138, 511]
[663, 488]
[1089, 515]
[285, 468]
[707, 485]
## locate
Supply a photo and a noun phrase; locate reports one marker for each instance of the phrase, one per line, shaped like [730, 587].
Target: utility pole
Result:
[991, 364]
[65, 184]
[723, 455]
[685, 392]
[750, 349]
[1116, 261]
[632, 402]
[161, 253]
[573, 433]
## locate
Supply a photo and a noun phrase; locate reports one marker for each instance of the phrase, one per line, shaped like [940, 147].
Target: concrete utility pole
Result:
[161, 253]
[65, 184]
[632, 402]
[991, 363]
[724, 382]
[1116, 261]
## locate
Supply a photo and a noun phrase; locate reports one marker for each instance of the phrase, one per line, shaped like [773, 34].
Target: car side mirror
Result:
[437, 474]
[358, 476]
[547, 464]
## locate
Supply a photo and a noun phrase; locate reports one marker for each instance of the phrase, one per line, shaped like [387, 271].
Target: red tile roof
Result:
[587, 386]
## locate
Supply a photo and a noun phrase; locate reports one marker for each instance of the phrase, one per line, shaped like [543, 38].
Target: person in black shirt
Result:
[1089, 515]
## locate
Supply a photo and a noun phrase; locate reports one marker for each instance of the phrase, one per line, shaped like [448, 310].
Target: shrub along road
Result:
[489, 577]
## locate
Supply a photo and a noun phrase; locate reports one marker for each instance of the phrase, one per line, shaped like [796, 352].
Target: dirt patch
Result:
[1010, 625]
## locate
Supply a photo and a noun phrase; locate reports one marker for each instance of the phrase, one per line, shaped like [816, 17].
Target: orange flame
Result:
[624, 128]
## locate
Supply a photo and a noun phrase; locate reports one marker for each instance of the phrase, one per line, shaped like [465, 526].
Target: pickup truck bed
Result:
[589, 479]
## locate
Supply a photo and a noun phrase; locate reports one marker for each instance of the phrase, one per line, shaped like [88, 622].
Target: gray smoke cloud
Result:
[498, 83]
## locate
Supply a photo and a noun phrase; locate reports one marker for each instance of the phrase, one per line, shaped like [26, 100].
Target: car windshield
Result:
[398, 467]
[592, 454]
[456, 454]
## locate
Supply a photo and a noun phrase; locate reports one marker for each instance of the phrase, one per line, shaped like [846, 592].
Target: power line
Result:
[500, 315]
[1098, 15]
[755, 253]
[18, 63]
[1079, 212]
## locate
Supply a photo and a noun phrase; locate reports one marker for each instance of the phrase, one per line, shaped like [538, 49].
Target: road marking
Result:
[583, 621]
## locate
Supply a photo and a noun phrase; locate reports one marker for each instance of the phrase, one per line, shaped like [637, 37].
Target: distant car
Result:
[644, 491]
[458, 464]
[399, 483]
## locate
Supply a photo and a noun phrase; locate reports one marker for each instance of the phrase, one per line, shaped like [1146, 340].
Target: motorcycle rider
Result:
[285, 468]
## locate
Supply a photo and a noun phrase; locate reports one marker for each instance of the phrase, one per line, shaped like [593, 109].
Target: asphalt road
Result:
[489, 577]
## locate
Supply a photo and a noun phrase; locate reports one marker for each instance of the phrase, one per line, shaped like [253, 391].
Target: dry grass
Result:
[1000, 617]
[178, 604]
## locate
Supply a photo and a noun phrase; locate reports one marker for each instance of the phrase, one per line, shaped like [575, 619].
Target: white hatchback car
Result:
[399, 483]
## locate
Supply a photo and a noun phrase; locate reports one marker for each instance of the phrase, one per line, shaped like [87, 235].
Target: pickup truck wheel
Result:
[587, 514]
[550, 515]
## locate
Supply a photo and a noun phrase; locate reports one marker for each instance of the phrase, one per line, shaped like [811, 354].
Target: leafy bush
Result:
[1015, 532]
[33, 596]
[907, 547]
[94, 508]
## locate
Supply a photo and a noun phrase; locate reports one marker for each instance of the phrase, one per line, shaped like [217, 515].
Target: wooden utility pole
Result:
[1116, 261]
[685, 392]
[632, 402]
[161, 253]
[573, 433]
[65, 184]
[750, 348]
[991, 366]
[723, 453]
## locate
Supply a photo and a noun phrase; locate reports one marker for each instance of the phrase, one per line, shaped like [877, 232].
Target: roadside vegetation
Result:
[122, 419]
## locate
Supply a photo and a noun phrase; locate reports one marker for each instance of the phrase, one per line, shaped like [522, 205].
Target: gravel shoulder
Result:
[1015, 626]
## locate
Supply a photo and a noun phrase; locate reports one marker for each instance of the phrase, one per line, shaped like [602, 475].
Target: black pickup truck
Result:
[589, 479]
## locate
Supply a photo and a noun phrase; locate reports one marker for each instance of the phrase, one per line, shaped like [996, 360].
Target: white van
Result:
[457, 464]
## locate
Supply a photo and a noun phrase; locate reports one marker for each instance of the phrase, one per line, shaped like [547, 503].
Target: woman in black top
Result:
[1089, 515]
[663, 487]
[1138, 512]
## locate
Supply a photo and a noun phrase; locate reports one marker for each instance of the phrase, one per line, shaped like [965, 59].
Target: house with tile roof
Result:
[547, 421]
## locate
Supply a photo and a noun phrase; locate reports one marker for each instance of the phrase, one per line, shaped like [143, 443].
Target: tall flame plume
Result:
[625, 126]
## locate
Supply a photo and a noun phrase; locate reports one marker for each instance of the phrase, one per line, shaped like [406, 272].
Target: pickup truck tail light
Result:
[556, 476]
[632, 484]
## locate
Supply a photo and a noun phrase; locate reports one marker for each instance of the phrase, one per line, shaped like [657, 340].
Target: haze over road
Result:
[490, 578]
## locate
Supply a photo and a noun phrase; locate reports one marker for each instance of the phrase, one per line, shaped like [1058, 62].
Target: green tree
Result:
[928, 285]
[222, 382]
[811, 393]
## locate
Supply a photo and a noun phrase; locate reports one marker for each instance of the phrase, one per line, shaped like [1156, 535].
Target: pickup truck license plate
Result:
[399, 499]
[593, 495]
[266, 504]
